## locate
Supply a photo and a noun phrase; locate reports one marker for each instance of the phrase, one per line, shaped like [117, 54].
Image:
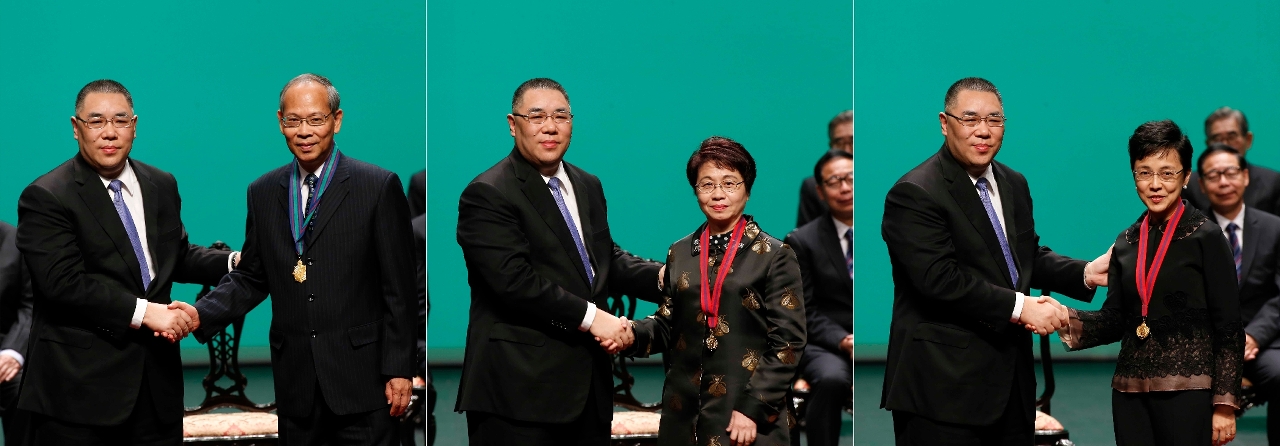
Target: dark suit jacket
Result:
[350, 326]
[419, 225]
[811, 205]
[85, 364]
[828, 289]
[418, 194]
[1263, 192]
[15, 296]
[1260, 277]
[953, 354]
[525, 358]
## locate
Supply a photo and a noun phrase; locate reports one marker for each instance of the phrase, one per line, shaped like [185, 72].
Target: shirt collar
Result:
[319, 170]
[840, 228]
[560, 173]
[127, 177]
[988, 174]
[1223, 221]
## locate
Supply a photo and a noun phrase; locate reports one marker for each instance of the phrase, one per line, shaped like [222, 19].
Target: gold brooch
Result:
[712, 343]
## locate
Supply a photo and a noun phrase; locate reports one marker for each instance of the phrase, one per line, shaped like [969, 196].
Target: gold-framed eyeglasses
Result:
[537, 118]
[1167, 176]
[728, 187]
[97, 122]
[973, 120]
[837, 180]
[314, 121]
[1232, 173]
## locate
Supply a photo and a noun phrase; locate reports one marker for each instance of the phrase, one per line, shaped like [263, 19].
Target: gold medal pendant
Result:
[712, 343]
[299, 272]
[1143, 330]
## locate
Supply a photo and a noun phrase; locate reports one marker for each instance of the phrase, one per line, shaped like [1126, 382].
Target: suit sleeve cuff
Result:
[138, 311]
[12, 354]
[588, 318]
[1017, 307]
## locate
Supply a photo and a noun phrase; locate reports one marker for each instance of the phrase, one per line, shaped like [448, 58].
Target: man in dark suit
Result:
[326, 237]
[541, 263]
[1254, 238]
[1230, 127]
[15, 330]
[839, 137]
[824, 248]
[965, 252]
[418, 193]
[102, 237]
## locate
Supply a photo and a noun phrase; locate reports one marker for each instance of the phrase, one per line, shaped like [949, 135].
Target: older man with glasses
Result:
[1230, 127]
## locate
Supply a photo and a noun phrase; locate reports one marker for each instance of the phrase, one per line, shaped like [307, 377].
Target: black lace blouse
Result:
[1196, 340]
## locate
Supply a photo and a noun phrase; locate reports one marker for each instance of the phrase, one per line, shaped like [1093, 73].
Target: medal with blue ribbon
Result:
[300, 221]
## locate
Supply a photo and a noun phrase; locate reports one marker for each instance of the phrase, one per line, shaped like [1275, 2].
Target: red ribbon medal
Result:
[711, 295]
[1147, 278]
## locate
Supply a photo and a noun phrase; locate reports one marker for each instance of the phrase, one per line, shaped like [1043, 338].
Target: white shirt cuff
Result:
[12, 354]
[231, 265]
[1017, 307]
[589, 318]
[138, 312]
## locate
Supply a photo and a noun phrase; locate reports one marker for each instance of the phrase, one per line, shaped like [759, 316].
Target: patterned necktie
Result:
[848, 250]
[311, 193]
[129, 228]
[995, 223]
[554, 184]
[1235, 246]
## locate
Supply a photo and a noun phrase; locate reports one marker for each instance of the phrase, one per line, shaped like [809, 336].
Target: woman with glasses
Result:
[732, 324]
[1173, 306]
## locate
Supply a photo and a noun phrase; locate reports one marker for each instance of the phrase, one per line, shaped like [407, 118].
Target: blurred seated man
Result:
[825, 252]
[839, 137]
[1254, 238]
[1229, 126]
[15, 330]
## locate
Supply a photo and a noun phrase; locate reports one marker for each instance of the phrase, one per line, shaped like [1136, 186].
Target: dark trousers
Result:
[1016, 426]
[142, 428]
[830, 387]
[15, 421]
[323, 427]
[1183, 417]
[588, 429]
[1264, 372]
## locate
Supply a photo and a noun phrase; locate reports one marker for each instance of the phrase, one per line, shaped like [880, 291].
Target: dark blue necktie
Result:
[995, 223]
[848, 250]
[554, 184]
[1235, 246]
[311, 193]
[129, 228]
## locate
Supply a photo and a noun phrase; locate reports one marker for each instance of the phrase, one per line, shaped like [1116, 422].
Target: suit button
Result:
[313, 333]
[311, 298]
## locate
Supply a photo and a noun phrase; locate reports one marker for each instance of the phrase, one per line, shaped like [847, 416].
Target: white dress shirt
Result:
[994, 191]
[1239, 221]
[571, 203]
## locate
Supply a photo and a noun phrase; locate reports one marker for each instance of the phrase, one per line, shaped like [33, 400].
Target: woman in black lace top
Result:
[1178, 373]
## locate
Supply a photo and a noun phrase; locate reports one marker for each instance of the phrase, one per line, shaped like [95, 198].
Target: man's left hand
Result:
[1095, 272]
[399, 390]
[846, 344]
[9, 368]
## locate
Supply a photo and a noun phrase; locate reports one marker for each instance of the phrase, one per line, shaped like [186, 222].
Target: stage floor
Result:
[1082, 403]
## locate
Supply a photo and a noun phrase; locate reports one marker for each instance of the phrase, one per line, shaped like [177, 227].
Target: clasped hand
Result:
[1043, 315]
[174, 321]
[613, 333]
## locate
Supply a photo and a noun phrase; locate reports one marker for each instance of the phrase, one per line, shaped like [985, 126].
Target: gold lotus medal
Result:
[1143, 330]
[300, 272]
[712, 343]
[718, 387]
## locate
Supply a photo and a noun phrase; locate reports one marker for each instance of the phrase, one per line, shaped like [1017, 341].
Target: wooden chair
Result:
[249, 424]
[638, 426]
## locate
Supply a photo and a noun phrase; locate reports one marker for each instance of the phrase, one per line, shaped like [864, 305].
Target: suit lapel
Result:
[584, 212]
[539, 195]
[98, 201]
[331, 200]
[1007, 203]
[830, 241]
[1248, 250]
[966, 196]
[150, 207]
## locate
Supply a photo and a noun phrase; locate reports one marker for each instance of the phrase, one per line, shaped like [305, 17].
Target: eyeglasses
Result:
[1224, 136]
[972, 121]
[728, 187]
[314, 121]
[1232, 173]
[836, 180]
[539, 117]
[97, 122]
[1165, 176]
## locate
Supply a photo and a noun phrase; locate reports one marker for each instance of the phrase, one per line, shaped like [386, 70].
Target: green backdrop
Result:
[205, 80]
[648, 82]
[1077, 78]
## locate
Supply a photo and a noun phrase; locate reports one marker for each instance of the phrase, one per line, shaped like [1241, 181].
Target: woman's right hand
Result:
[742, 430]
[1224, 424]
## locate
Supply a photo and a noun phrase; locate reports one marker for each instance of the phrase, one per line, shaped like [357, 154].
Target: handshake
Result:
[174, 321]
[1043, 315]
[613, 333]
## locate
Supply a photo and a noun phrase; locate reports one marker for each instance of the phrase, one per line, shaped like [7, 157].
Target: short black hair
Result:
[103, 86]
[725, 153]
[538, 83]
[1159, 137]
[1215, 148]
[969, 83]
[830, 156]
